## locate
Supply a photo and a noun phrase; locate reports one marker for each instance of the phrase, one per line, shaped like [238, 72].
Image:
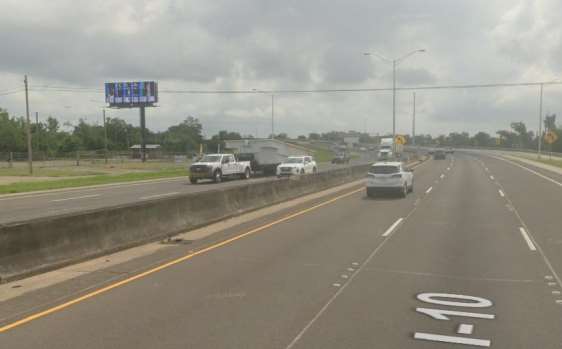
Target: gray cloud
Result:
[268, 44]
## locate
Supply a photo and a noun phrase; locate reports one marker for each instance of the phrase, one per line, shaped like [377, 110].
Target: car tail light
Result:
[398, 175]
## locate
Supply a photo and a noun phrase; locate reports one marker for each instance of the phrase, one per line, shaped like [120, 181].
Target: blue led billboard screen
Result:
[131, 94]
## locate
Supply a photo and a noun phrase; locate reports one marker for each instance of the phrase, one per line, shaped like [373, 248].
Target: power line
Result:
[7, 93]
[47, 88]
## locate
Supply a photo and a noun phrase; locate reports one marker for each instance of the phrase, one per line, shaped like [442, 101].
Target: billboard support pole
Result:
[142, 134]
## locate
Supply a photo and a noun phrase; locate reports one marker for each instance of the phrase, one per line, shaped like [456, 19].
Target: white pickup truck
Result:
[217, 167]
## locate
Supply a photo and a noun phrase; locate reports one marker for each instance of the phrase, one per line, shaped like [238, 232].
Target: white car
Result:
[297, 165]
[389, 177]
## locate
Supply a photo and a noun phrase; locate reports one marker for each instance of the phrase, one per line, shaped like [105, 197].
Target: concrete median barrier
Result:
[46, 243]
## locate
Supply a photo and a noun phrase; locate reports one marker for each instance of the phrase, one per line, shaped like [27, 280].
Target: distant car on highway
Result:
[341, 158]
[389, 177]
[217, 167]
[297, 165]
[439, 154]
[450, 150]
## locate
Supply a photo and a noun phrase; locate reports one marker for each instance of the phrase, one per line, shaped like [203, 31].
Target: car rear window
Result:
[384, 169]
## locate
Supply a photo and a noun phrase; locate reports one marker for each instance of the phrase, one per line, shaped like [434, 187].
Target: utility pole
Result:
[394, 107]
[272, 115]
[29, 150]
[414, 122]
[104, 136]
[540, 122]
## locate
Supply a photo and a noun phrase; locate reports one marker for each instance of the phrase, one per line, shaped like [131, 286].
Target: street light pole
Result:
[394, 107]
[540, 123]
[414, 122]
[395, 63]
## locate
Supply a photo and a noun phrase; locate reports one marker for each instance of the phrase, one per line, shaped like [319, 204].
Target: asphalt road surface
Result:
[472, 257]
[28, 206]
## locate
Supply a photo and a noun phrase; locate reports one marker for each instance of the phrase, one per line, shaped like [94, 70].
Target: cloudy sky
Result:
[291, 44]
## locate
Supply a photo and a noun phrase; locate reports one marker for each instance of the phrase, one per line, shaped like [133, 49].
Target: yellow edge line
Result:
[167, 265]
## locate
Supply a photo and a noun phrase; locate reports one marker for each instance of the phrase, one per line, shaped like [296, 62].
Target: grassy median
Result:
[21, 187]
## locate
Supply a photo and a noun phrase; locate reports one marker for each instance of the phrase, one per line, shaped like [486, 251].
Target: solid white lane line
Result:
[492, 177]
[158, 195]
[429, 190]
[465, 329]
[451, 339]
[501, 193]
[77, 198]
[392, 227]
[528, 169]
[527, 239]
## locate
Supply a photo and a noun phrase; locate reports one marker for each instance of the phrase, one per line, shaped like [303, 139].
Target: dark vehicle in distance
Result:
[439, 154]
[341, 158]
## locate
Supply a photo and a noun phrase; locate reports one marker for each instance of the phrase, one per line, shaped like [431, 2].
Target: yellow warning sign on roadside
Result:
[550, 137]
[400, 139]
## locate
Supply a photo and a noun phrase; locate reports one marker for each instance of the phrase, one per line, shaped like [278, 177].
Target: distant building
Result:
[153, 151]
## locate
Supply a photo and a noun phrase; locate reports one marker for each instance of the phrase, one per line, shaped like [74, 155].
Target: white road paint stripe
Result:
[158, 195]
[392, 227]
[451, 339]
[492, 177]
[448, 168]
[77, 198]
[486, 169]
[501, 193]
[528, 169]
[340, 291]
[465, 329]
[442, 176]
[429, 190]
[527, 239]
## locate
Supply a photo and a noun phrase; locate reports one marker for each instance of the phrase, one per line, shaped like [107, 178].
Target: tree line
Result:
[54, 139]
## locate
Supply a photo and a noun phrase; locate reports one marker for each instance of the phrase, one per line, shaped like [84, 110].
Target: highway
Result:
[472, 257]
[35, 205]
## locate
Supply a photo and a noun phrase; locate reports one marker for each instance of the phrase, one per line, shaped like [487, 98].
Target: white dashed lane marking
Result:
[77, 198]
[501, 193]
[392, 227]
[527, 239]
[429, 190]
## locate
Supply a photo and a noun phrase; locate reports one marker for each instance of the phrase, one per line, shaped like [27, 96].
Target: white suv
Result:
[389, 177]
[297, 165]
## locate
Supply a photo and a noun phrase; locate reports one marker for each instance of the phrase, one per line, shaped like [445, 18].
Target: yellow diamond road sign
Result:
[550, 137]
[400, 139]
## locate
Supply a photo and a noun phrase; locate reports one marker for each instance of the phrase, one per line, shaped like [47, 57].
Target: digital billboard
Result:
[131, 94]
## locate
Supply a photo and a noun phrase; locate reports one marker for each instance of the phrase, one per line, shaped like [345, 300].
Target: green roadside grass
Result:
[22, 187]
[557, 163]
[323, 155]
